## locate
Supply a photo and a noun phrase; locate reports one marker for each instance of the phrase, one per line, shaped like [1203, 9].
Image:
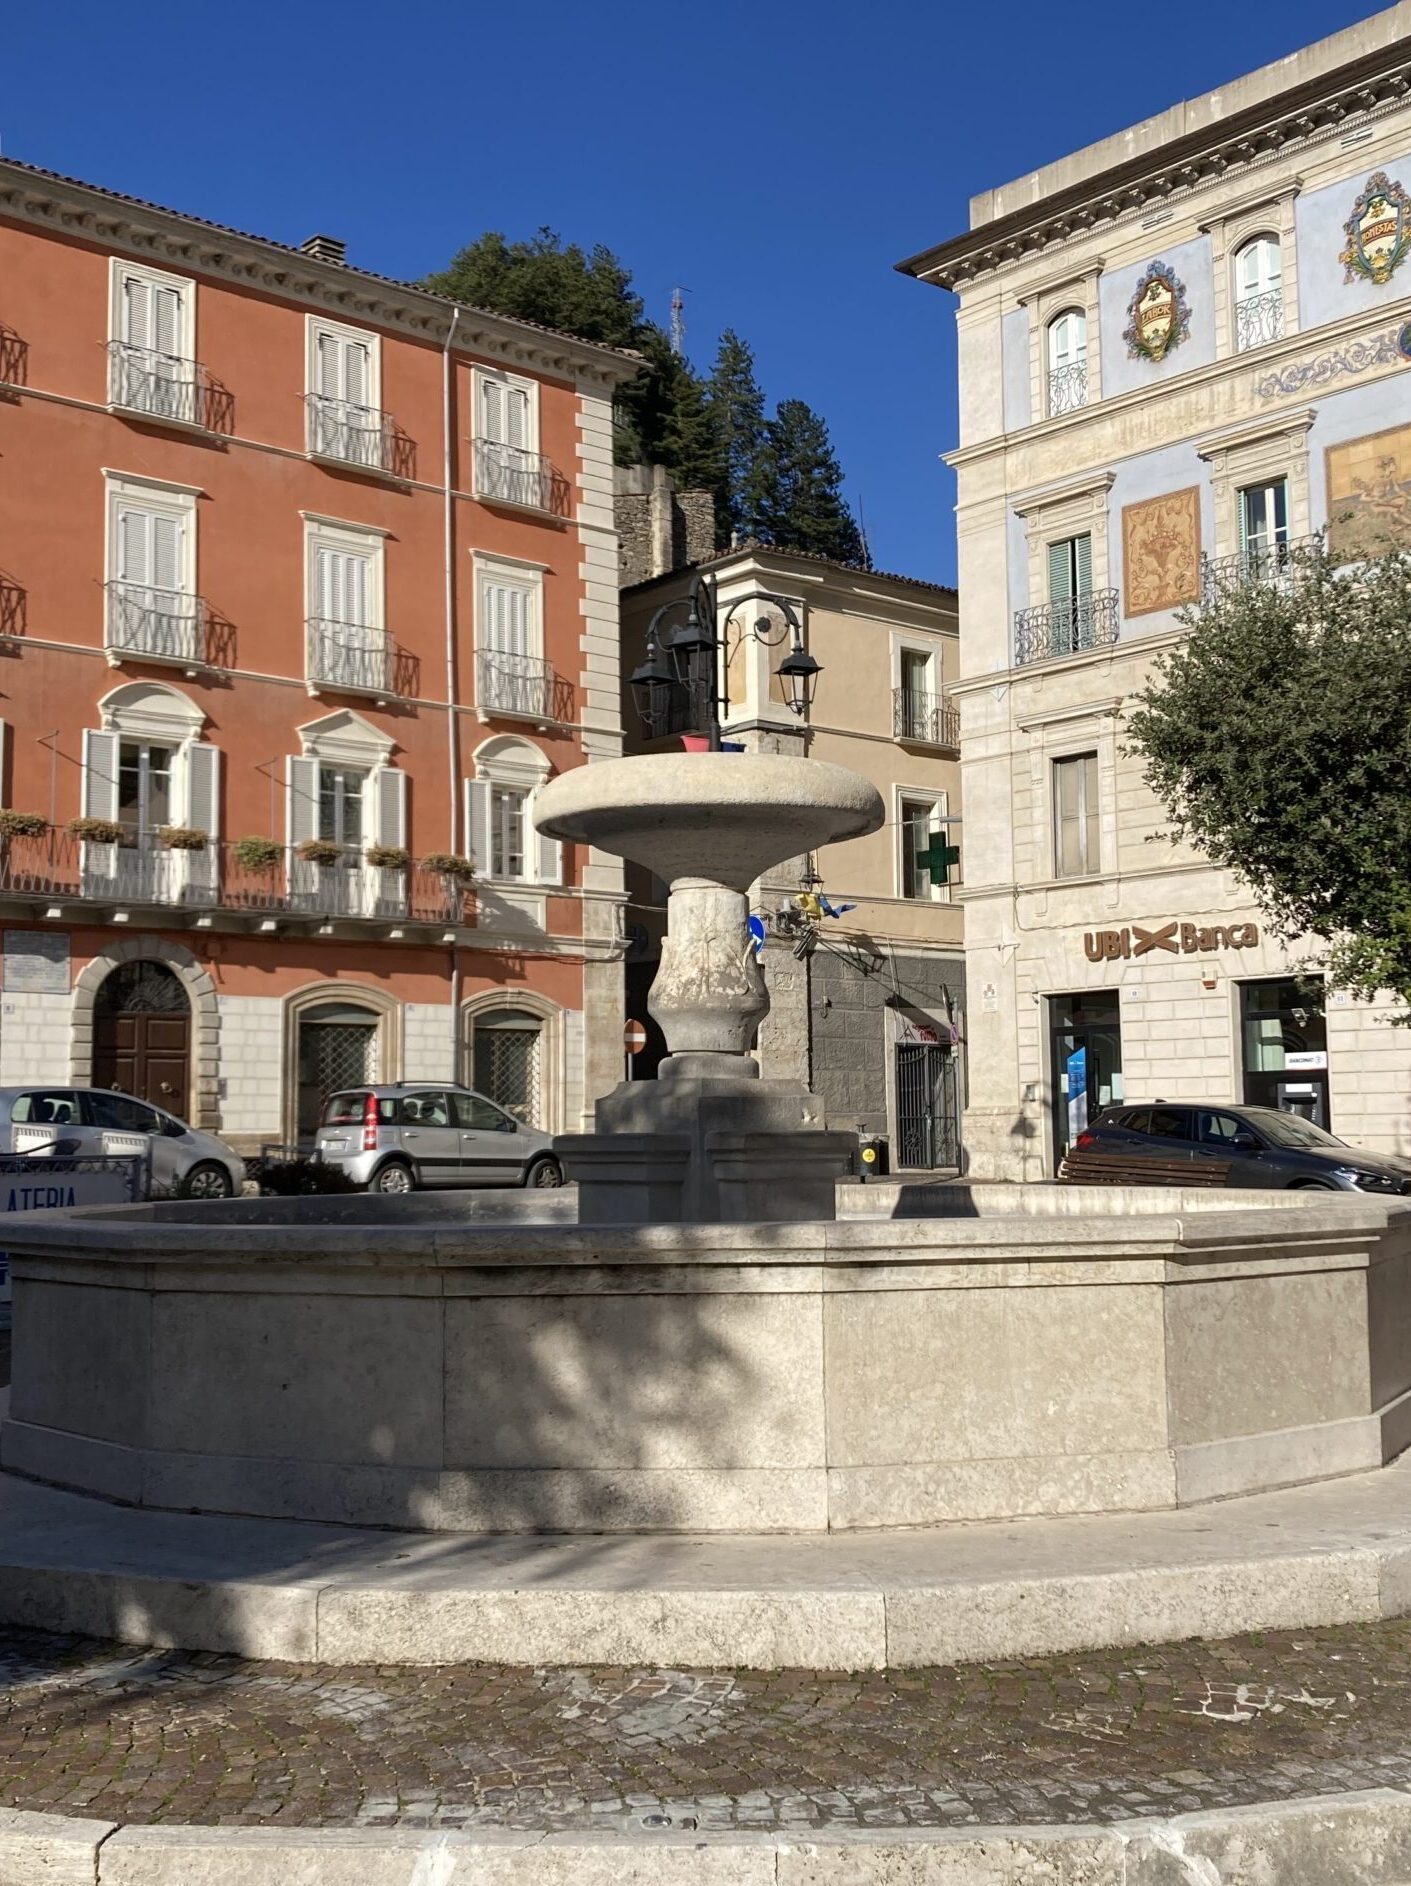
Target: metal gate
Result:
[332, 1055]
[507, 1069]
[928, 1117]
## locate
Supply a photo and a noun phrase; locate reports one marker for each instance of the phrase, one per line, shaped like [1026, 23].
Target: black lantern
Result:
[799, 672]
[653, 685]
[692, 650]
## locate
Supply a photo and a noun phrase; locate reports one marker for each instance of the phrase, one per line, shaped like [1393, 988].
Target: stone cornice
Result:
[83, 211]
[1319, 109]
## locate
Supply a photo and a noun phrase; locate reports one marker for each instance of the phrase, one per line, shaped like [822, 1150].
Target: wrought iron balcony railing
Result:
[164, 387]
[521, 686]
[358, 435]
[924, 719]
[1055, 629]
[1067, 388]
[54, 865]
[351, 656]
[14, 360]
[1280, 565]
[1259, 319]
[153, 624]
[505, 474]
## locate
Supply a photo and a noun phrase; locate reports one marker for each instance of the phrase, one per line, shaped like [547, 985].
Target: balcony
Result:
[1056, 629]
[1277, 565]
[505, 474]
[14, 362]
[54, 866]
[163, 387]
[149, 624]
[925, 720]
[521, 687]
[341, 433]
[1067, 388]
[1259, 319]
[351, 658]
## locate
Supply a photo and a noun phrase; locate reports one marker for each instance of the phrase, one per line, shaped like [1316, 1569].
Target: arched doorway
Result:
[142, 1035]
[507, 1060]
[337, 1048]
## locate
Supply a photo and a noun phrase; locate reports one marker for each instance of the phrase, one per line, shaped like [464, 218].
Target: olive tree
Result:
[1277, 736]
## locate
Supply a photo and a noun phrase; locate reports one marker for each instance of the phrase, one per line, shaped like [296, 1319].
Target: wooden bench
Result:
[1084, 1166]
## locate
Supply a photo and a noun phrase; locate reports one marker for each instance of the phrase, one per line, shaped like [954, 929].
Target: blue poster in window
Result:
[1077, 1093]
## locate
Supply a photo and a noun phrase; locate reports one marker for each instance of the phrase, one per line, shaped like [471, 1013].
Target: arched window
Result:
[1067, 361]
[1259, 293]
[500, 814]
[507, 1062]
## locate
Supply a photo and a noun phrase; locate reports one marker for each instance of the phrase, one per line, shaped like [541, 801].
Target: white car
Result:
[87, 1122]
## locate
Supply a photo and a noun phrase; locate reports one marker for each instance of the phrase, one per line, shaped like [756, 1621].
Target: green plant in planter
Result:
[388, 857]
[183, 837]
[320, 851]
[450, 864]
[257, 854]
[22, 824]
[97, 831]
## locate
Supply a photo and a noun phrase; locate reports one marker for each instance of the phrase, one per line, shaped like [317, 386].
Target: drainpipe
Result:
[453, 744]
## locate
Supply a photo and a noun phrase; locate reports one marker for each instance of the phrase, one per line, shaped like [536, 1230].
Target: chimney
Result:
[324, 248]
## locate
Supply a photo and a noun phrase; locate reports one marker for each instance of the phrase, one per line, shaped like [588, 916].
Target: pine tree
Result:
[548, 281]
[736, 407]
[800, 488]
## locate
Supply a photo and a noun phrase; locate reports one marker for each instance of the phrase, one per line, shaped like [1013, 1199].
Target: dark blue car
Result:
[1258, 1145]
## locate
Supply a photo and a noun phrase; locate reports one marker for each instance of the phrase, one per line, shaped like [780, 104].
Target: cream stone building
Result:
[1183, 350]
[873, 1018]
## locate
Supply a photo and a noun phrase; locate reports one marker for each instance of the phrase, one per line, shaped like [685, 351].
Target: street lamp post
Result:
[684, 665]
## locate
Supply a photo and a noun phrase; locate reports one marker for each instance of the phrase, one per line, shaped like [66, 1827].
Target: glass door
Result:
[1085, 1061]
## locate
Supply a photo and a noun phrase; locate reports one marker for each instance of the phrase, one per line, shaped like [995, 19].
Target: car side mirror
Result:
[1245, 1143]
[509, 1126]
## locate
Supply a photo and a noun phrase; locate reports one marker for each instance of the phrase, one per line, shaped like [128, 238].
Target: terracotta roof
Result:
[285, 248]
[756, 546]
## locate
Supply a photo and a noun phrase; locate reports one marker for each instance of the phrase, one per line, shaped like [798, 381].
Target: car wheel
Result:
[544, 1172]
[208, 1180]
[394, 1180]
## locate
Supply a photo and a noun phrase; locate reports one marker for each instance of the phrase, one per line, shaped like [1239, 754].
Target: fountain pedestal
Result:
[708, 1141]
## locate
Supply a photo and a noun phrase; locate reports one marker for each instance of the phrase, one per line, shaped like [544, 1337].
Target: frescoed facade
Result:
[1183, 352]
[307, 584]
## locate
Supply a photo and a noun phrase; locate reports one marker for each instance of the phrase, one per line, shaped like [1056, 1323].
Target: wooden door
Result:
[146, 1055]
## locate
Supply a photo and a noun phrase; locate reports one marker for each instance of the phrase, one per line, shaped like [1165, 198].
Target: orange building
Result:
[307, 584]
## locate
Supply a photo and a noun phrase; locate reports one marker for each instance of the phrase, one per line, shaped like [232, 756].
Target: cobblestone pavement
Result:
[91, 1728]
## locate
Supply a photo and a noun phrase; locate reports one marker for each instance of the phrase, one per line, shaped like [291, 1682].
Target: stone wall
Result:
[659, 528]
[852, 1034]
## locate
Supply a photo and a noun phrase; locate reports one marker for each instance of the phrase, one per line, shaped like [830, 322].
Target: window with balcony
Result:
[921, 715]
[500, 814]
[1075, 816]
[509, 467]
[1263, 526]
[342, 792]
[346, 422]
[511, 676]
[1067, 362]
[151, 364]
[1259, 293]
[348, 647]
[144, 771]
[153, 612]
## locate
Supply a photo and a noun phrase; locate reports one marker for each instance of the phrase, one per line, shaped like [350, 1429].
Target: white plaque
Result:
[36, 962]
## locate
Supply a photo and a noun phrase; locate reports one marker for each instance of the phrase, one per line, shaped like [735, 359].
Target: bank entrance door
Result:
[1284, 1032]
[1085, 1061]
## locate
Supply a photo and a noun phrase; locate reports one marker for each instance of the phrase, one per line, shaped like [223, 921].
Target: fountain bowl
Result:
[723, 817]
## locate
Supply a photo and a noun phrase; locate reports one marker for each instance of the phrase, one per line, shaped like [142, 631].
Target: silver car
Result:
[409, 1134]
[89, 1122]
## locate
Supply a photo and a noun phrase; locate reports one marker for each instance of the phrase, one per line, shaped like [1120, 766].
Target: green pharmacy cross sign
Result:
[938, 857]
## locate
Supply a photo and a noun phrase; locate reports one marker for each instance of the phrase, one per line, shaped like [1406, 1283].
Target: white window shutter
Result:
[202, 809]
[166, 552]
[134, 546]
[517, 417]
[492, 411]
[357, 375]
[327, 365]
[166, 320]
[477, 823]
[550, 852]
[301, 800]
[389, 810]
[100, 774]
[136, 312]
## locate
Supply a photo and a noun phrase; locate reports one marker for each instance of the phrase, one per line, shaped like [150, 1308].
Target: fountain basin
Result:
[387, 1363]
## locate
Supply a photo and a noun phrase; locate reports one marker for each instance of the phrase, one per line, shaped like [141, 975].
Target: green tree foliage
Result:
[800, 486]
[1278, 738]
[549, 281]
[736, 406]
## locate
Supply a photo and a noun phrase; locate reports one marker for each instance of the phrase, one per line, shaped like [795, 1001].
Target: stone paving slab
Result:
[173, 1738]
[1333, 1553]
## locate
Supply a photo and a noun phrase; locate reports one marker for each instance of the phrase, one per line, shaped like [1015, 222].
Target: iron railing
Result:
[1259, 319]
[358, 435]
[1067, 388]
[924, 719]
[506, 474]
[14, 360]
[165, 387]
[1277, 565]
[1055, 629]
[520, 685]
[350, 656]
[56, 865]
[157, 624]
[14, 607]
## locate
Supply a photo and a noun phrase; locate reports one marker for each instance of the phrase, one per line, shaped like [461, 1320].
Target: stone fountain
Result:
[708, 1141]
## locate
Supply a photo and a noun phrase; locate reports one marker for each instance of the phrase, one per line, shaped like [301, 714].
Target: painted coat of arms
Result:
[1378, 231]
[1159, 316]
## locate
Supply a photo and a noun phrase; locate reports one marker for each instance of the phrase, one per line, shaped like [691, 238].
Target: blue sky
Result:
[775, 159]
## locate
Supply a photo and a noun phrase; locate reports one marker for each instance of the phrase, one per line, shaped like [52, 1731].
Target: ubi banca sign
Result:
[1176, 938]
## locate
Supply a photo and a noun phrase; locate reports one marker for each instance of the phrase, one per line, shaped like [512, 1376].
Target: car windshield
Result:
[1292, 1130]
